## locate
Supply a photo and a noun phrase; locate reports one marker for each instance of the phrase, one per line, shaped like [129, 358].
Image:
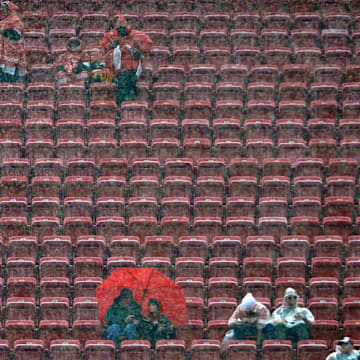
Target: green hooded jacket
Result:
[117, 312]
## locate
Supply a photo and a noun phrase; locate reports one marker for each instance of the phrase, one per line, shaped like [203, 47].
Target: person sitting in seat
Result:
[12, 49]
[344, 351]
[123, 48]
[123, 318]
[156, 326]
[250, 319]
[291, 321]
[72, 66]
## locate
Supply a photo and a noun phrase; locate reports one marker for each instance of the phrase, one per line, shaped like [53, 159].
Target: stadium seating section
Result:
[235, 170]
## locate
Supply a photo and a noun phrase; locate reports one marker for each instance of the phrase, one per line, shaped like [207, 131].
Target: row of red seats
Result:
[34, 348]
[262, 86]
[270, 209]
[183, 167]
[212, 184]
[140, 350]
[289, 246]
[197, 5]
[97, 20]
[234, 73]
[253, 267]
[219, 308]
[160, 55]
[239, 38]
[193, 148]
[193, 109]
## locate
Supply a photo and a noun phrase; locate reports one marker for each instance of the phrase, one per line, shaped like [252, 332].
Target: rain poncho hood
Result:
[12, 50]
[289, 312]
[248, 302]
[290, 291]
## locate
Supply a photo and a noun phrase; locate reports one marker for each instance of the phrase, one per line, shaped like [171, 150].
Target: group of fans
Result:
[250, 320]
[289, 321]
[117, 58]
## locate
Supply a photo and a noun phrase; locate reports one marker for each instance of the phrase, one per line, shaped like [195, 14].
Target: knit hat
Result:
[248, 302]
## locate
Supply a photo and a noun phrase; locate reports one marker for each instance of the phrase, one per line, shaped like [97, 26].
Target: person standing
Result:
[12, 49]
[123, 48]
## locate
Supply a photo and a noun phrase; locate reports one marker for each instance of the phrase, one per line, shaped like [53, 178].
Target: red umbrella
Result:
[144, 284]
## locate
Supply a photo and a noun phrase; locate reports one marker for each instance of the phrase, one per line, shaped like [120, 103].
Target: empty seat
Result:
[323, 287]
[325, 266]
[165, 349]
[20, 308]
[56, 246]
[50, 330]
[257, 267]
[243, 185]
[19, 330]
[135, 349]
[68, 348]
[327, 330]
[189, 267]
[75, 226]
[306, 206]
[146, 167]
[264, 245]
[244, 167]
[201, 349]
[142, 226]
[340, 186]
[305, 225]
[161, 264]
[144, 206]
[272, 207]
[54, 308]
[81, 206]
[21, 287]
[46, 186]
[223, 286]
[104, 349]
[280, 348]
[245, 349]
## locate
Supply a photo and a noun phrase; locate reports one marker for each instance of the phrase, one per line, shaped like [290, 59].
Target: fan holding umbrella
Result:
[126, 294]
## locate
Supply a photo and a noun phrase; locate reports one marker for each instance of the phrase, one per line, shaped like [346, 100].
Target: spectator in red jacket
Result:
[12, 50]
[72, 66]
[123, 48]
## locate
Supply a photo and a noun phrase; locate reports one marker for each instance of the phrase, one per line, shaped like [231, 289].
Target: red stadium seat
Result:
[142, 206]
[54, 308]
[156, 246]
[175, 206]
[58, 349]
[125, 246]
[189, 267]
[84, 330]
[96, 349]
[84, 287]
[21, 287]
[18, 330]
[260, 287]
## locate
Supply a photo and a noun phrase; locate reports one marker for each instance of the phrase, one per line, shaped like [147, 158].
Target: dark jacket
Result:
[153, 330]
[117, 312]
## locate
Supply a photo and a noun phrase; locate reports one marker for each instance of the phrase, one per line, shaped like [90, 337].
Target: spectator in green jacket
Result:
[123, 318]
